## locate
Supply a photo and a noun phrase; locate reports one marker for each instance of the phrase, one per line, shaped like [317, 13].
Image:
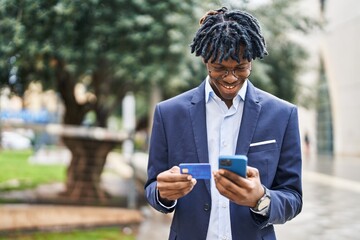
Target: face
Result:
[228, 77]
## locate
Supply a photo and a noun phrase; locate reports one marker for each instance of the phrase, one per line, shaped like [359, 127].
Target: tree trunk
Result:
[84, 171]
[88, 155]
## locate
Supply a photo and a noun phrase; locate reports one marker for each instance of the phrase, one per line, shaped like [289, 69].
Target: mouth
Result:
[229, 87]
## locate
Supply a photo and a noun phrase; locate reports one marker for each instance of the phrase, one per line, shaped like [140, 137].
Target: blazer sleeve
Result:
[157, 162]
[286, 189]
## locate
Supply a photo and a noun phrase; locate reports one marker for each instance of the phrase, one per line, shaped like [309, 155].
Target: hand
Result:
[173, 185]
[242, 191]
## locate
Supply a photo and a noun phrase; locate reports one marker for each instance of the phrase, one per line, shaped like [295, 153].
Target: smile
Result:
[229, 86]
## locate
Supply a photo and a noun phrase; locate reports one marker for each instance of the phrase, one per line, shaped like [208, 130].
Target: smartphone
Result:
[196, 170]
[234, 163]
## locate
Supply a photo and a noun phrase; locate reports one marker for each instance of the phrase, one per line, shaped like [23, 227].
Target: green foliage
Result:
[17, 173]
[128, 35]
[115, 46]
[112, 233]
[110, 46]
[282, 22]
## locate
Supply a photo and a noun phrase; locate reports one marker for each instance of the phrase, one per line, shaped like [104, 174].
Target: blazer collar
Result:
[198, 119]
[197, 113]
[252, 108]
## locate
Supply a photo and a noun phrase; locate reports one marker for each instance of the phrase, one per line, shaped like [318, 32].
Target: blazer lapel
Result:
[249, 120]
[198, 119]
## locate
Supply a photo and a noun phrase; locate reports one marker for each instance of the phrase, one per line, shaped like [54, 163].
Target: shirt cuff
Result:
[163, 205]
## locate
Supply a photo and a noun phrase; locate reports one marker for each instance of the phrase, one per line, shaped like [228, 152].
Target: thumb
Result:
[175, 169]
[252, 172]
[193, 181]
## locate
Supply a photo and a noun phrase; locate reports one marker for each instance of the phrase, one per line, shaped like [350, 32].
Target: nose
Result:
[230, 77]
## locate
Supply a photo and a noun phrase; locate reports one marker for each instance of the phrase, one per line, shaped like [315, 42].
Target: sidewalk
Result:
[331, 189]
[47, 217]
[331, 195]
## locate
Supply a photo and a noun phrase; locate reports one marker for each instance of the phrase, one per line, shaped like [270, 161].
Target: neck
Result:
[228, 103]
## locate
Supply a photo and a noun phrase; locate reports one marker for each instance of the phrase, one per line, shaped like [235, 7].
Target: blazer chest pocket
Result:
[263, 146]
[263, 156]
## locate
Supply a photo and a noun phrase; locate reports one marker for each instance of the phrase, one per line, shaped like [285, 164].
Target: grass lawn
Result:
[17, 173]
[112, 233]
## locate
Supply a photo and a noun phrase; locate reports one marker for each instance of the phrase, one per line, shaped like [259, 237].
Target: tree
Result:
[110, 47]
[278, 73]
[281, 20]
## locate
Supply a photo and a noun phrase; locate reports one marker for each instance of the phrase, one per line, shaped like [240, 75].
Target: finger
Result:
[227, 192]
[225, 184]
[252, 172]
[238, 180]
[230, 189]
[173, 175]
[174, 185]
[171, 178]
[175, 193]
[175, 169]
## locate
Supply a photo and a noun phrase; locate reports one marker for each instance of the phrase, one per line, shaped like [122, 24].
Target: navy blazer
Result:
[179, 135]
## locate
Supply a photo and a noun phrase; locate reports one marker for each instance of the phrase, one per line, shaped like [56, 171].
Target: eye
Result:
[219, 69]
[242, 68]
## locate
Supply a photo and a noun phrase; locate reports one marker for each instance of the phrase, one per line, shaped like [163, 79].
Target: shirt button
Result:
[206, 207]
[224, 205]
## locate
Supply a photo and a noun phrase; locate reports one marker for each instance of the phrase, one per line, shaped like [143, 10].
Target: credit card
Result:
[196, 170]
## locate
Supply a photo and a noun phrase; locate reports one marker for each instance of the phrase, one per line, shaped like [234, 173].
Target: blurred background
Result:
[78, 85]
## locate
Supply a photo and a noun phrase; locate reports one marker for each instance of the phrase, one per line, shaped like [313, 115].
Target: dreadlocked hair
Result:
[223, 32]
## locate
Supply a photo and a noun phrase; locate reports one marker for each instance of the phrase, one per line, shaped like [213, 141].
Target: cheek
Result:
[215, 85]
[248, 73]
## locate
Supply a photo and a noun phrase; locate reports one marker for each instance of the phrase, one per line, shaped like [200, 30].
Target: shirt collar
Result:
[210, 92]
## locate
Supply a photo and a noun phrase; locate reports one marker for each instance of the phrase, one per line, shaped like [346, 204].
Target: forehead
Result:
[229, 62]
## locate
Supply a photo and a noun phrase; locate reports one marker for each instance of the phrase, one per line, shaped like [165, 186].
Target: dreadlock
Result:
[222, 32]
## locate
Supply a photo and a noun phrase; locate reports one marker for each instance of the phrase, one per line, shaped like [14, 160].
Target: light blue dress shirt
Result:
[223, 125]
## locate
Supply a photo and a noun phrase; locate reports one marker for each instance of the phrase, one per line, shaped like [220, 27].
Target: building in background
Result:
[340, 53]
[331, 123]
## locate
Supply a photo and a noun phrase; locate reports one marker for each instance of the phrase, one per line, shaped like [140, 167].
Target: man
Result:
[226, 115]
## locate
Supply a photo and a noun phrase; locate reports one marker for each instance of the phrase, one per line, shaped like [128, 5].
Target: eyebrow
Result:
[238, 65]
